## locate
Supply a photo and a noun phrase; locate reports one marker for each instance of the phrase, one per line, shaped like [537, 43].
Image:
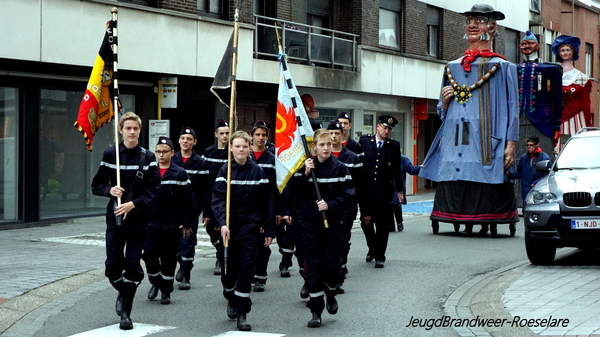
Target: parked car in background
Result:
[563, 208]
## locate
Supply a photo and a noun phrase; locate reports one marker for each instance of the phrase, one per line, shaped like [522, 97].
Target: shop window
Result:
[511, 45]
[9, 145]
[66, 167]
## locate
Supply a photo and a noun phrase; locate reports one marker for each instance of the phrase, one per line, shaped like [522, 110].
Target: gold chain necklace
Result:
[462, 93]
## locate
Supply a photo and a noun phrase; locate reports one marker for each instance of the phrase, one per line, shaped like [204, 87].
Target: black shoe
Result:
[218, 270]
[126, 323]
[185, 284]
[284, 272]
[118, 305]
[242, 325]
[259, 287]
[165, 298]
[153, 292]
[315, 321]
[469, 229]
[304, 291]
[230, 312]
[340, 289]
[369, 257]
[378, 264]
[180, 274]
[400, 227]
[332, 304]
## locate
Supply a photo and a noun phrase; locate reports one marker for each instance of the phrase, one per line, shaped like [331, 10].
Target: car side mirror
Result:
[543, 166]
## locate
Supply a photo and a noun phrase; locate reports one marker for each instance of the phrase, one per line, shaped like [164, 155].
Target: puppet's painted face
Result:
[566, 52]
[479, 28]
[528, 46]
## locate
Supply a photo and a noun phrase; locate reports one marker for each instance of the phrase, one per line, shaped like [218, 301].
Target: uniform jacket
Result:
[214, 158]
[359, 178]
[145, 189]
[197, 172]
[382, 167]
[173, 205]
[355, 147]
[335, 186]
[267, 162]
[251, 204]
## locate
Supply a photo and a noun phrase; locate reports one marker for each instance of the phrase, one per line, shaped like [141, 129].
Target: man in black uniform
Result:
[172, 209]
[382, 164]
[197, 171]
[215, 156]
[126, 224]
[250, 224]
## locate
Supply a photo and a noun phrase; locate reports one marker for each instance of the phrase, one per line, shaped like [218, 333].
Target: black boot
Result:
[165, 298]
[242, 325]
[118, 305]
[180, 274]
[126, 323]
[304, 291]
[315, 321]
[332, 304]
[230, 312]
[153, 292]
[185, 282]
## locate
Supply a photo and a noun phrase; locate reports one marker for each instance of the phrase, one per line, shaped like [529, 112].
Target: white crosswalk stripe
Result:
[139, 330]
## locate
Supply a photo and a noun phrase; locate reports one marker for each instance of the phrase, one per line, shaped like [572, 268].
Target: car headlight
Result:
[537, 198]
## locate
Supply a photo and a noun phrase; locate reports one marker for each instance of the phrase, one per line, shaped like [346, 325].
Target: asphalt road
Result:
[421, 272]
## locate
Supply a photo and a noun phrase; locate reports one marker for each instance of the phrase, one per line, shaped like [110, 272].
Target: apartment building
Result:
[364, 57]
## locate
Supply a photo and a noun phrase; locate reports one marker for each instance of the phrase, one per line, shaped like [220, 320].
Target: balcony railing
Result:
[305, 44]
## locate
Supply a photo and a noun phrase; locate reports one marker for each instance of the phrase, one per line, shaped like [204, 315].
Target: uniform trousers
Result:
[346, 235]
[262, 262]
[322, 261]
[160, 254]
[123, 255]
[237, 279]
[285, 241]
[188, 249]
[377, 231]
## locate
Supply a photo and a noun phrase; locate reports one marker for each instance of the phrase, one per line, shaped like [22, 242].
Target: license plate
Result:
[585, 224]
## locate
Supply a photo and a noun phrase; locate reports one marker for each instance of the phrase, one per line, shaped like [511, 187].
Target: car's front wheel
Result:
[537, 253]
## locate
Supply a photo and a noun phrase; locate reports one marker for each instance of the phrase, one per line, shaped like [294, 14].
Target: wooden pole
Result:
[231, 121]
[114, 46]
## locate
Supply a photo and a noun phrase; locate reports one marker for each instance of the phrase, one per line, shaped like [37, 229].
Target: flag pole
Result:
[231, 120]
[115, 82]
[302, 135]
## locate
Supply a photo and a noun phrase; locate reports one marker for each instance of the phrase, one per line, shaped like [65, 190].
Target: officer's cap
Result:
[344, 115]
[335, 125]
[221, 123]
[388, 121]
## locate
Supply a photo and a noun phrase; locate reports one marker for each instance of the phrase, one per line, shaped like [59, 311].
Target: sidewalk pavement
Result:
[38, 266]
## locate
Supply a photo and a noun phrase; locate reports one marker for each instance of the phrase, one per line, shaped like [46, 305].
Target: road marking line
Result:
[139, 330]
[253, 334]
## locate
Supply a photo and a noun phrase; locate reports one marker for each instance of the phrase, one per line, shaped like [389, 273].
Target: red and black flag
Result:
[96, 108]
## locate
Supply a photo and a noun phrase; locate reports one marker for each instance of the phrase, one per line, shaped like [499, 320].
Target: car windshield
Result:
[580, 153]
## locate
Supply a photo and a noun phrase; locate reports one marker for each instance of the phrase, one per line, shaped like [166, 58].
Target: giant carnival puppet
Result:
[475, 144]
[576, 86]
[540, 97]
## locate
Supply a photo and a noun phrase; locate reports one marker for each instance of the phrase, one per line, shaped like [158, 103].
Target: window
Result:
[534, 6]
[9, 145]
[433, 31]
[151, 3]
[212, 8]
[66, 167]
[389, 28]
[511, 47]
[588, 59]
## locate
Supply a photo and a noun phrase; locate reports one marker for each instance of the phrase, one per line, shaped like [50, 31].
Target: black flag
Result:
[223, 77]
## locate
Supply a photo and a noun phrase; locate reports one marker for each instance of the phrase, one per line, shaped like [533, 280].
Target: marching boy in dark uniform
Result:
[382, 164]
[215, 156]
[321, 245]
[266, 160]
[251, 207]
[359, 178]
[139, 184]
[197, 171]
[171, 209]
